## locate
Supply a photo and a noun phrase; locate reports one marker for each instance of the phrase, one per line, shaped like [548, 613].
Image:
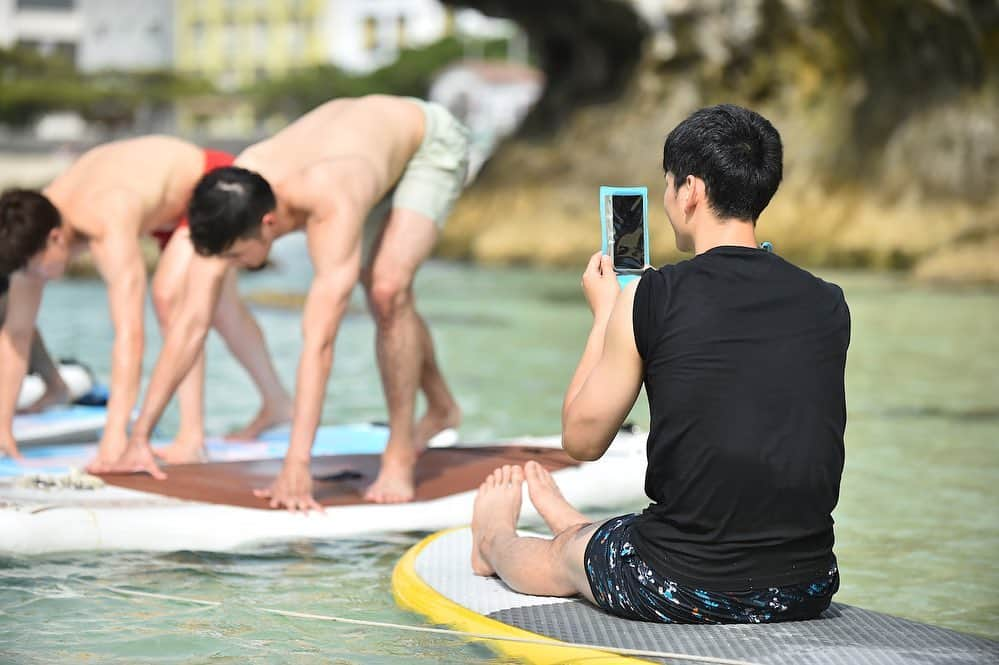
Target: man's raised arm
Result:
[609, 376]
[23, 300]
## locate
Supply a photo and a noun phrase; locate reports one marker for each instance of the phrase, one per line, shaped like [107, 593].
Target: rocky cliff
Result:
[888, 110]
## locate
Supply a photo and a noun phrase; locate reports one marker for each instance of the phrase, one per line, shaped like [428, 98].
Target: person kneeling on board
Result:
[742, 355]
[379, 173]
[107, 200]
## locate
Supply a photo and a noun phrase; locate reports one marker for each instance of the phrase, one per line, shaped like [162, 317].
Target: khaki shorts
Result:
[435, 175]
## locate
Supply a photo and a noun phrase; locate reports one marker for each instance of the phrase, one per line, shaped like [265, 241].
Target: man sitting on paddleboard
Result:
[105, 201]
[379, 168]
[742, 355]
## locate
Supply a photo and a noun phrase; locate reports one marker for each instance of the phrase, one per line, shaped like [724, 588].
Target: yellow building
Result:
[234, 43]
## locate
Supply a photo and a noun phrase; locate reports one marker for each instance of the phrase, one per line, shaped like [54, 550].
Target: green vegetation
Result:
[411, 75]
[32, 84]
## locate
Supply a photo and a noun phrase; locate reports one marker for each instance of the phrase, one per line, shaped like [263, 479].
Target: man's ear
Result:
[55, 237]
[694, 194]
[268, 219]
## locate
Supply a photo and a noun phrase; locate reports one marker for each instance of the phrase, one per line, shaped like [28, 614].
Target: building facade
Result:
[126, 35]
[48, 26]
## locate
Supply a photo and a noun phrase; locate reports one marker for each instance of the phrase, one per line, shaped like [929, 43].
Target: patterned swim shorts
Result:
[624, 585]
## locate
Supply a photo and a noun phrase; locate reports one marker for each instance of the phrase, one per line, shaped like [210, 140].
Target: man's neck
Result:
[725, 232]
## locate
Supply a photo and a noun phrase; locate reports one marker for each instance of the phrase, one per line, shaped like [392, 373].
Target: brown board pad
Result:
[338, 480]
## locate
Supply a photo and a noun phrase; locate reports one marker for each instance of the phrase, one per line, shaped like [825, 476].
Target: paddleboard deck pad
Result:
[211, 506]
[435, 579]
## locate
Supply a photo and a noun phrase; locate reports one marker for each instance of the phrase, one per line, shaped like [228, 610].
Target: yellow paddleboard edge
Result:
[413, 594]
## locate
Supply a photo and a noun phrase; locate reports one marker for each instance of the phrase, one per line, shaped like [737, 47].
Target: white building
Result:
[126, 35]
[491, 98]
[50, 26]
[363, 35]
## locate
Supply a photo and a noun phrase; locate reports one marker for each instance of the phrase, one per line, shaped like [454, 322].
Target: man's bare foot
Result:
[135, 459]
[496, 510]
[394, 483]
[557, 513]
[181, 452]
[269, 416]
[433, 422]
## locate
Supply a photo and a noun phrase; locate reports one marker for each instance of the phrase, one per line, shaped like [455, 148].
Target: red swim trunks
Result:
[214, 159]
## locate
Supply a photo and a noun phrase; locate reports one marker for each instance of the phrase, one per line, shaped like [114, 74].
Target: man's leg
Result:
[535, 566]
[405, 352]
[245, 340]
[168, 289]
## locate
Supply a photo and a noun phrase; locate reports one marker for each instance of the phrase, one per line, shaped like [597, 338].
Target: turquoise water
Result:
[917, 525]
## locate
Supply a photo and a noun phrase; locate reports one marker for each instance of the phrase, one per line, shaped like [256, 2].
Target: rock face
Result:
[887, 109]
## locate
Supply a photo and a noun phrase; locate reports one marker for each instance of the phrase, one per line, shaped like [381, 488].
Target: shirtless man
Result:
[325, 174]
[105, 202]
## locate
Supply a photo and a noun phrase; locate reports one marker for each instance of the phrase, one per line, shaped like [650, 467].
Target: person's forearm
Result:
[320, 325]
[591, 355]
[126, 373]
[42, 363]
[310, 389]
[180, 350]
[14, 350]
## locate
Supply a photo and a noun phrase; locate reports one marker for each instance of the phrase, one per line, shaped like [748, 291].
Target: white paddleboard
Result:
[36, 520]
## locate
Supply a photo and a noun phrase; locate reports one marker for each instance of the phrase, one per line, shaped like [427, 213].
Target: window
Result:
[260, 39]
[296, 40]
[197, 36]
[371, 33]
[400, 29]
[229, 41]
[46, 4]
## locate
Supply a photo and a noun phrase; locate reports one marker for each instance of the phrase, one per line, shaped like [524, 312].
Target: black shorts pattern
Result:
[624, 585]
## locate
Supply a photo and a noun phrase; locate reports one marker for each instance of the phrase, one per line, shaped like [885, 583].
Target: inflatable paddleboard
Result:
[59, 425]
[77, 377]
[211, 506]
[435, 579]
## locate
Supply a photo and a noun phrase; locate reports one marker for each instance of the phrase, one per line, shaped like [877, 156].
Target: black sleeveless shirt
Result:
[744, 357]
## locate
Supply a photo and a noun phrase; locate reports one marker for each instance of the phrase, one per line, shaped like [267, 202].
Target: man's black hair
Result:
[735, 151]
[228, 204]
[26, 218]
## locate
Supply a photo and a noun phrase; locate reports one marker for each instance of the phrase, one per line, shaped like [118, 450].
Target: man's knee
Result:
[388, 296]
[163, 300]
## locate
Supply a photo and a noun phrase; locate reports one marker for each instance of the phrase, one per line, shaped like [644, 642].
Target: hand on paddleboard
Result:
[600, 285]
[8, 446]
[292, 489]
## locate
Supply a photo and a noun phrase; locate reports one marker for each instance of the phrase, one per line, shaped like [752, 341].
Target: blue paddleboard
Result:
[363, 438]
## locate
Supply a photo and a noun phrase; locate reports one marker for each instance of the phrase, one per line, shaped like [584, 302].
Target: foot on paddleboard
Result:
[557, 513]
[496, 511]
[394, 483]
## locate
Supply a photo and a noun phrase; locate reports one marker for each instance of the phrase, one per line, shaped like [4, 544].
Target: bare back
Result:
[365, 143]
[156, 175]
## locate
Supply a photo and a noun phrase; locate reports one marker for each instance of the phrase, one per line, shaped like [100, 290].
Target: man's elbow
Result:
[579, 444]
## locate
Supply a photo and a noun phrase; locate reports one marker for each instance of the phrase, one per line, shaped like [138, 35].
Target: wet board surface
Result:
[339, 480]
[435, 579]
[330, 440]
